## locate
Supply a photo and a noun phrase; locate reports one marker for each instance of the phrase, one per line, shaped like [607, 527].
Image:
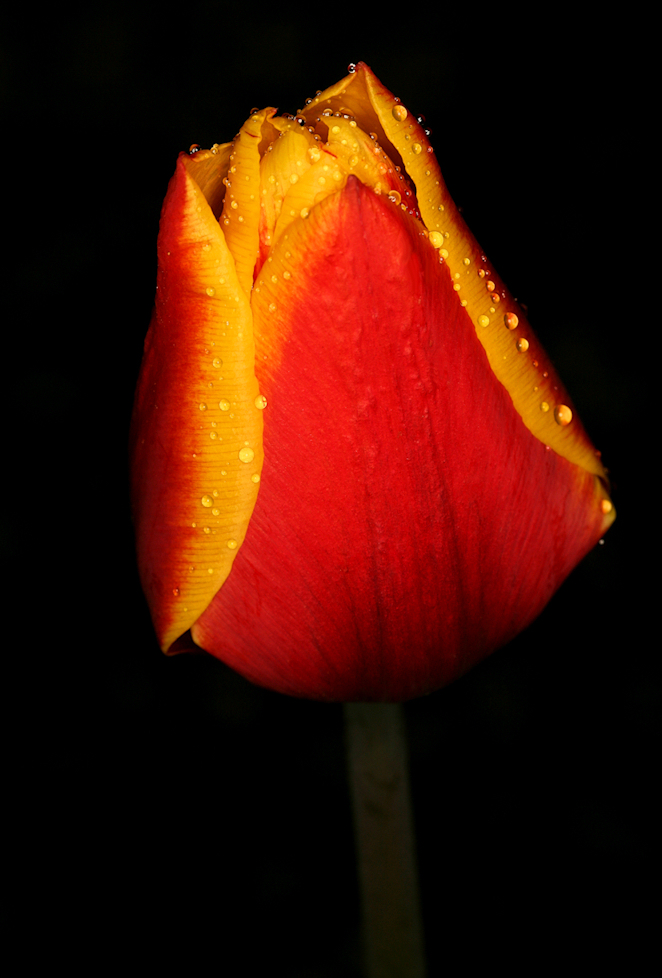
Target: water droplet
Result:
[217, 363]
[194, 148]
[416, 149]
[224, 405]
[606, 506]
[399, 112]
[483, 320]
[436, 239]
[562, 414]
[490, 286]
[511, 320]
[246, 454]
[232, 544]
[210, 291]
[260, 402]
[394, 196]
[207, 501]
[351, 68]
[522, 345]
[202, 406]
[255, 477]
[175, 590]
[206, 529]
[544, 407]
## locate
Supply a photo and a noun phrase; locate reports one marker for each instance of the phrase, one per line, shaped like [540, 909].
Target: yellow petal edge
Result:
[220, 439]
[512, 349]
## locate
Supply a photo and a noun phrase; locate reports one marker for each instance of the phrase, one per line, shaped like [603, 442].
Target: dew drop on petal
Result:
[224, 405]
[255, 477]
[246, 454]
[210, 291]
[606, 506]
[232, 544]
[436, 239]
[260, 402]
[202, 406]
[511, 320]
[483, 320]
[562, 414]
[399, 113]
[217, 363]
[522, 345]
[207, 501]
[544, 407]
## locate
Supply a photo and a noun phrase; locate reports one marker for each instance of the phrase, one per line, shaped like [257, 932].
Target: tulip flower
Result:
[355, 471]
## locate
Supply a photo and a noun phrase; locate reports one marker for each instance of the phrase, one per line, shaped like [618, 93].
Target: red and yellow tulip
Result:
[355, 471]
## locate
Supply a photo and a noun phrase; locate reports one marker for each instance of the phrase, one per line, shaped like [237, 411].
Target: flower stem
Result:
[383, 824]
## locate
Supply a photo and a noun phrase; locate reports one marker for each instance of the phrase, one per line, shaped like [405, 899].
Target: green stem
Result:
[379, 778]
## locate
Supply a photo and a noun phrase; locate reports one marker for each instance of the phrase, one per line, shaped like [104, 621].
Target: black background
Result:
[166, 806]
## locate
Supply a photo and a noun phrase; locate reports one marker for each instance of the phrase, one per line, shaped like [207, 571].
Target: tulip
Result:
[355, 471]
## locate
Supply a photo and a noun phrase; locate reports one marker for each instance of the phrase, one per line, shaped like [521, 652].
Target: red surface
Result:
[408, 523]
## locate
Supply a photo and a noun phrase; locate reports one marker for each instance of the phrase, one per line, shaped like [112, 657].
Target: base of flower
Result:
[383, 825]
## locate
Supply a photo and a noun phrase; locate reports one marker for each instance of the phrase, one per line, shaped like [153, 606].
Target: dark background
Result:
[166, 806]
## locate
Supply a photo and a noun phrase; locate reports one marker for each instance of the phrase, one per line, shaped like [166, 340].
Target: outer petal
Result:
[409, 522]
[197, 424]
[515, 355]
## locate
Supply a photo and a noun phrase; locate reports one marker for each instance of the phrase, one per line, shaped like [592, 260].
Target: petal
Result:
[196, 429]
[409, 522]
[514, 354]
[240, 219]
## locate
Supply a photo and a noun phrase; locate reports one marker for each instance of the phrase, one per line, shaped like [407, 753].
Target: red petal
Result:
[408, 522]
[195, 416]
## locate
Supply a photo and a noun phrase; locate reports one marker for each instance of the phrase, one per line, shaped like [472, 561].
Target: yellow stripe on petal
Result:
[514, 354]
[241, 208]
[203, 401]
[209, 168]
[282, 170]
